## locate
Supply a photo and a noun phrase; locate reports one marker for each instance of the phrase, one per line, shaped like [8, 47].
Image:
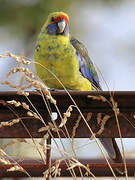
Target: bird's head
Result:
[56, 24]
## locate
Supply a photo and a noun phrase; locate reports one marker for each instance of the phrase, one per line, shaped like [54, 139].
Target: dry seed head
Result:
[52, 100]
[42, 87]
[15, 103]
[16, 69]
[13, 56]
[21, 69]
[51, 125]
[20, 59]
[4, 161]
[103, 122]
[30, 114]
[63, 122]
[16, 168]
[26, 62]
[87, 173]
[2, 153]
[38, 84]
[98, 98]
[36, 116]
[66, 115]
[26, 87]
[75, 164]
[103, 99]
[10, 84]
[48, 171]
[45, 137]
[10, 123]
[76, 126]
[21, 92]
[46, 128]
[25, 106]
[57, 170]
[57, 163]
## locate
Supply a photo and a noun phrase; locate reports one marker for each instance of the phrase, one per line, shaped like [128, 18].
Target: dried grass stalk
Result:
[54, 170]
[26, 71]
[67, 114]
[46, 128]
[115, 106]
[10, 123]
[57, 170]
[4, 161]
[16, 168]
[15, 103]
[76, 126]
[37, 84]
[99, 117]
[19, 59]
[2, 153]
[42, 141]
[102, 123]
[98, 98]
[89, 115]
[75, 163]
[22, 92]
[104, 120]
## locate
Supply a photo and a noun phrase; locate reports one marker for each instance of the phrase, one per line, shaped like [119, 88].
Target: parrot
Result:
[68, 59]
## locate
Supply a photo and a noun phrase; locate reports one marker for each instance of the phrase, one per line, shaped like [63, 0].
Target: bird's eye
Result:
[52, 19]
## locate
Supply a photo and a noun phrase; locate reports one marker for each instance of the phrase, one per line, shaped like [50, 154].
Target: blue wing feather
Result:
[85, 64]
[83, 68]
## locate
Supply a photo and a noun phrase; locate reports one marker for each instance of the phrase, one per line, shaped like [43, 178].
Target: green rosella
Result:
[68, 59]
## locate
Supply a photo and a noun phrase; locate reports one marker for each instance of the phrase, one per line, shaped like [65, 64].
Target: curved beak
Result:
[61, 25]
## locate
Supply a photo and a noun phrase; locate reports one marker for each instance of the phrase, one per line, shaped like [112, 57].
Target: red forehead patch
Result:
[59, 18]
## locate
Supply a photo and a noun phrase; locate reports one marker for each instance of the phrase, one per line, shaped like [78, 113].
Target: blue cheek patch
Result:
[52, 29]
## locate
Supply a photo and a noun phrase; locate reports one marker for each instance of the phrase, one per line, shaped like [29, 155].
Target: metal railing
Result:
[89, 103]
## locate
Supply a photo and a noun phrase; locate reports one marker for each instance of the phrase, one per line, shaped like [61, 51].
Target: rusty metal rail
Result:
[97, 166]
[125, 104]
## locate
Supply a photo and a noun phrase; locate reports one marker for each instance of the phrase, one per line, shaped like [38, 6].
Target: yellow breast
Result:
[58, 57]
